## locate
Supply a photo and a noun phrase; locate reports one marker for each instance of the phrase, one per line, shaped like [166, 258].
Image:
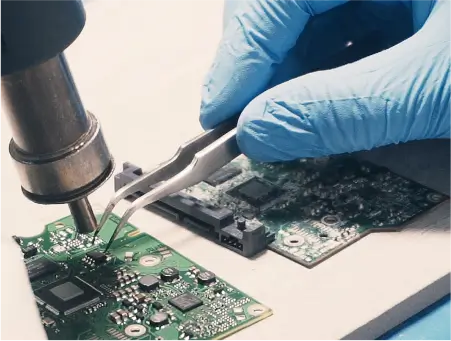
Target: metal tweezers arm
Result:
[193, 163]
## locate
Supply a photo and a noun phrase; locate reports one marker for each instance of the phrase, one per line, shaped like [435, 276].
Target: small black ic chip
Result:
[256, 192]
[224, 174]
[68, 296]
[30, 251]
[97, 257]
[148, 283]
[185, 302]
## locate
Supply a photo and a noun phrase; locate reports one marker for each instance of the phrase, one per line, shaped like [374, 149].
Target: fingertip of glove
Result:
[253, 146]
[268, 131]
[211, 109]
[204, 120]
[254, 134]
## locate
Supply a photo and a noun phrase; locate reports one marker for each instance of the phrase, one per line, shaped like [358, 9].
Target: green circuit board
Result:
[316, 207]
[139, 289]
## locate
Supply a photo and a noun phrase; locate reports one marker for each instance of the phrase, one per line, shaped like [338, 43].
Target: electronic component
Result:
[306, 210]
[68, 296]
[241, 223]
[141, 314]
[127, 302]
[41, 267]
[95, 257]
[140, 298]
[185, 302]
[29, 251]
[128, 257]
[122, 313]
[115, 317]
[17, 240]
[157, 305]
[211, 221]
[224, 174]
[159, 319]
[86, 302]
[148, 283]
[48, 322]
[206, 277]
[59, 248]
[256, 192]
[169, 274]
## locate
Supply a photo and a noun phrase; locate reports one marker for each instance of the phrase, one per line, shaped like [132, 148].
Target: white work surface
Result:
[139, 66]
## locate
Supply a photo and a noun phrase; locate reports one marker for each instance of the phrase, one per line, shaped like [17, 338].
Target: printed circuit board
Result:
[313, 208]
[139, 289]
[306, 210]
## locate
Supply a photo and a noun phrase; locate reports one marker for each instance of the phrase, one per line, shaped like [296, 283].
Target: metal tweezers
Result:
[194, 162]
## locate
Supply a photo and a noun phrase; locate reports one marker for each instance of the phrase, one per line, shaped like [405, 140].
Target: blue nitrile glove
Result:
[397, 95]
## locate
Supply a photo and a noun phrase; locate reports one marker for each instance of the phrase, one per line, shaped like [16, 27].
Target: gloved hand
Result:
[397, 95]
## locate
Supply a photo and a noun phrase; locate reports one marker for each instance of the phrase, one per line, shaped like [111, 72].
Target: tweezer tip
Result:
[94, 236]
[108, 246]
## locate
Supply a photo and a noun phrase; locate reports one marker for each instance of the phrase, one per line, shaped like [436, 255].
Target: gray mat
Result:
[426, 162]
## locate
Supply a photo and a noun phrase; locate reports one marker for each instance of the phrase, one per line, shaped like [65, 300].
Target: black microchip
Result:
[30, 251]
[97, 256]
[41, 267]
[157, 305]
[185, 302]
[148, 283]
[224, 174]
[256, 192]
[67, 296]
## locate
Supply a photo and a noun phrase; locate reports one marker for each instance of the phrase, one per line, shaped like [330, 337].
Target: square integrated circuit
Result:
[256, 192]
[185, 302]
[67, 296]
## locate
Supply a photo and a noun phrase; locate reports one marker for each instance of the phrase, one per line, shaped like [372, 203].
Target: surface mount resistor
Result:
[128, 257]
[115, 317]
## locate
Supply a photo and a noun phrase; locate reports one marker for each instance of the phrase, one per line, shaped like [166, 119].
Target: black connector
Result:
[215, 223]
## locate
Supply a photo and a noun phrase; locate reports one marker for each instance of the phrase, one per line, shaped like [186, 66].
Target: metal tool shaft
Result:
[44, 109]
[84, 217]
[57, 146]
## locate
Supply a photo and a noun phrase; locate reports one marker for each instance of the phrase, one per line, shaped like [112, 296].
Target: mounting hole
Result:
[323, 235]
[293, 240]
[135, 330]
[256, 309]
[434, 197]
[330, 220]
[150, 260]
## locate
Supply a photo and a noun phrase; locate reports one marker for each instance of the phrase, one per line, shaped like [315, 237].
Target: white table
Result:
[139, 66]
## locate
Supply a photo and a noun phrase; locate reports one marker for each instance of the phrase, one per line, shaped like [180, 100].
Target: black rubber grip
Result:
[35, 31]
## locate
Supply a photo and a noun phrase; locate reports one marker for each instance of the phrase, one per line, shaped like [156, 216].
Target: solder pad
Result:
[79, 298]
[317, 207]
